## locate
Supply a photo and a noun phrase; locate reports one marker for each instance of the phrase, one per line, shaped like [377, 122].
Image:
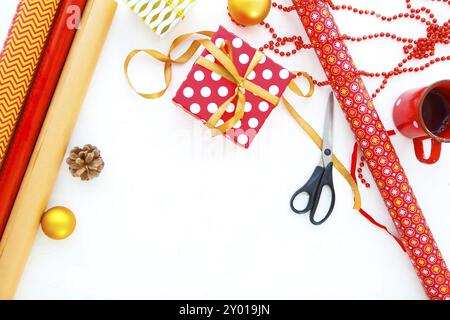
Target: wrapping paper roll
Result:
[52, 143]
[19, 60]
[376, 146]
[36, 106]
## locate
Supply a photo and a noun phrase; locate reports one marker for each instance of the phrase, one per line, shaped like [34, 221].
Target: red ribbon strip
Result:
[364, 213]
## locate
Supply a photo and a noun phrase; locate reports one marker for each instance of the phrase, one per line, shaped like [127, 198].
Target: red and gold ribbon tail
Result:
[364, 213]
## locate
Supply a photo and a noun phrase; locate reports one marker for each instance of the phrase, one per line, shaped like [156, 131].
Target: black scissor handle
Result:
[310, 188]
[326, 180]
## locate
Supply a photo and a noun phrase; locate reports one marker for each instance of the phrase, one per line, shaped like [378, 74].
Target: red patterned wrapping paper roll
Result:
[376, 146]
[36, 105]
[19, 60]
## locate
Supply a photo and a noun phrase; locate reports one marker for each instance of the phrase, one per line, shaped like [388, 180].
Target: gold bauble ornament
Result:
[58, 223]
[249, 12]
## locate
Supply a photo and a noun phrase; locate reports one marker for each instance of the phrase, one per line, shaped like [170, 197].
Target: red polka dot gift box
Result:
[205, 92]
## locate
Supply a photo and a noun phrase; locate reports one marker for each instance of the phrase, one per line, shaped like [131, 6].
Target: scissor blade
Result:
[327, 147]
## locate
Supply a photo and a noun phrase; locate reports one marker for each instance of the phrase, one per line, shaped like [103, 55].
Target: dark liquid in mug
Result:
[436, 112]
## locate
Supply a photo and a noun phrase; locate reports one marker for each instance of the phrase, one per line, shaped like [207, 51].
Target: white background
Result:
[177, 214]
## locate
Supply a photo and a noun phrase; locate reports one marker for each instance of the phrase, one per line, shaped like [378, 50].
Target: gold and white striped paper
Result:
[161, 15]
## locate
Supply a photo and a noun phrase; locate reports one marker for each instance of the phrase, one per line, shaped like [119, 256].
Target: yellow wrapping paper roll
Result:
[50, 148]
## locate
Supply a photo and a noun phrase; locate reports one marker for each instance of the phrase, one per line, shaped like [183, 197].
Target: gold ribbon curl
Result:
[225, 68]
[228, 70]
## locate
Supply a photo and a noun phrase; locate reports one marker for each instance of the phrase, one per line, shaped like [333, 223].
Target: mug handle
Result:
[435, 153]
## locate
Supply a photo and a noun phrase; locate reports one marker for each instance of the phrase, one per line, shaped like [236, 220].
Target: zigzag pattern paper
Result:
[19, 59]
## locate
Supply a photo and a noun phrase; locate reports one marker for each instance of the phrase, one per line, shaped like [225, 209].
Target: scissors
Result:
[323, 174]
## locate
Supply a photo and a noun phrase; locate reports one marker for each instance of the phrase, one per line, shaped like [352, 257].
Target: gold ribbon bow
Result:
[225, 69]
[228, 70]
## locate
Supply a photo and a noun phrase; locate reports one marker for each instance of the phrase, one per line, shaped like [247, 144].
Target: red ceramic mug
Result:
[423, 114]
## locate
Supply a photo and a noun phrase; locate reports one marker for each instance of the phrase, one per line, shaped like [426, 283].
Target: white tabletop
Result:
[178, 214]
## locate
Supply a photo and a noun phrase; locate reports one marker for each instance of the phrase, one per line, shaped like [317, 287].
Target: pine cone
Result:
[85, 163]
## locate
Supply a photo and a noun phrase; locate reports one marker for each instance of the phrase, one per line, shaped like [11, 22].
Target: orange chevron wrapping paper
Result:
[19, 60]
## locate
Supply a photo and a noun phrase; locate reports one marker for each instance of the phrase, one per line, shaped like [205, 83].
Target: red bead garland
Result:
[418, 49]
[360, 172]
